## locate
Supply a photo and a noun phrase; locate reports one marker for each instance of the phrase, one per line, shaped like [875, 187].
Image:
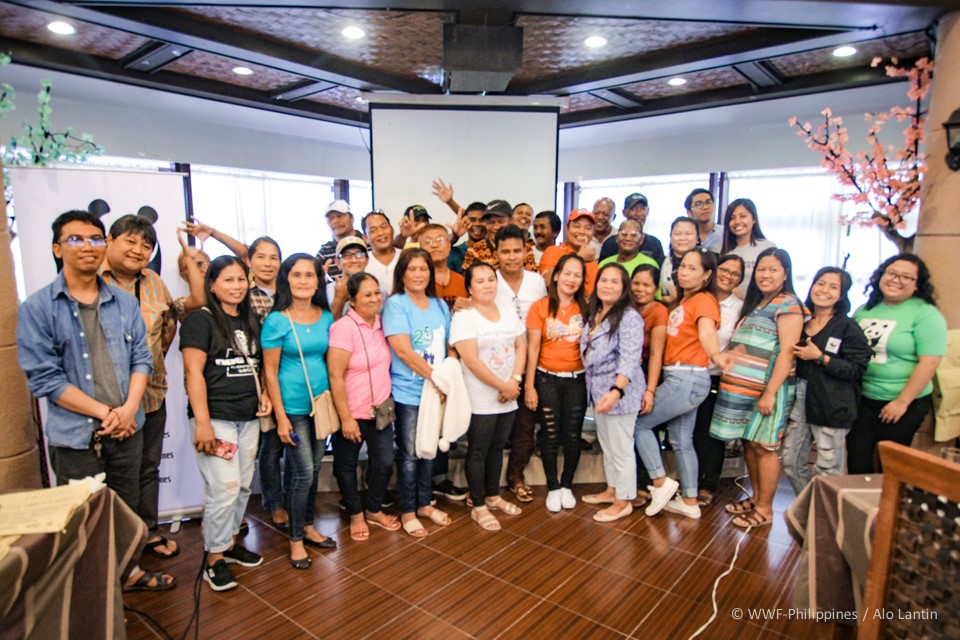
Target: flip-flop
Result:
[151, 548]
[359, 532]
[499, 504]
[704, 498]
[437, 517]
[391, 527]
[159, 579]
[749, 520]
[415, 528]
[740, 508]
[485, 519]
[523, 492]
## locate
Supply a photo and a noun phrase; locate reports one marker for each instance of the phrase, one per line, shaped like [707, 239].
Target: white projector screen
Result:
[486, 153]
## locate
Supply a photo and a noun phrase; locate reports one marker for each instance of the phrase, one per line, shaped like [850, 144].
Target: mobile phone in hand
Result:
[224, 449]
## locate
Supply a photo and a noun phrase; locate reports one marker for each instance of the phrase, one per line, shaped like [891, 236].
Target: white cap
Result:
[340, 206]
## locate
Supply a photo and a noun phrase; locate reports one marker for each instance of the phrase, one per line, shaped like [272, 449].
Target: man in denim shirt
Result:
[82, 345]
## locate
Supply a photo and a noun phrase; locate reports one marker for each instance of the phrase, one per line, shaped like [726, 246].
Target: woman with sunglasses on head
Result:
[908, 335]
[221, 355]
[757, 387]
[711, 451]
[742, 236]
[684, 236]
[831, 357]
[295, 339]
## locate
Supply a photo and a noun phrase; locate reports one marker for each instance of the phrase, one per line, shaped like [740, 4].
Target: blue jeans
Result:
[678, 397]
[800, 435]
[275, 472]
[414, 475]
[304, 460]
[227, 482]
[346, 455]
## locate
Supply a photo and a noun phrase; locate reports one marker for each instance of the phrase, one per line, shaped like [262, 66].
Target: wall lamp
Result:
[952, 127]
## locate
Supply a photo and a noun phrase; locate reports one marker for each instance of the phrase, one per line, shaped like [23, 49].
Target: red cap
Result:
[576, 214]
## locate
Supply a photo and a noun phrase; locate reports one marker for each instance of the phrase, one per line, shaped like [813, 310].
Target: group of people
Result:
[391, 334]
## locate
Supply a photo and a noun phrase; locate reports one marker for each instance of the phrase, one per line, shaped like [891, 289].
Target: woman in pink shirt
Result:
[358, 363]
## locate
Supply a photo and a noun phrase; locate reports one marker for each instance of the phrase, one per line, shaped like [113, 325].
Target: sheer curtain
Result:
[247, 205]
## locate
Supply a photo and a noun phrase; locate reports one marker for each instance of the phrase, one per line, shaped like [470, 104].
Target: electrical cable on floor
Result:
[150, 619]
[733, 562]
[197, 584]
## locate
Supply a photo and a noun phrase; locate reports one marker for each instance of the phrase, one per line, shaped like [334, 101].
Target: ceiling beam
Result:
[165, 26]
[760, 73]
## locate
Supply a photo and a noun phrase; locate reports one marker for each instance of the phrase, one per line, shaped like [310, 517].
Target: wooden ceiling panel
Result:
[584, 102]
[343, 97]
[720, 78]
[213, 67]
[908, 45]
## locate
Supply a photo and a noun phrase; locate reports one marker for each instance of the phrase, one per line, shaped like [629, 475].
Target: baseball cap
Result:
[576, 214]
[340, 206]
[419, 213]
[500, 208]
[352, 241]
[633, 200]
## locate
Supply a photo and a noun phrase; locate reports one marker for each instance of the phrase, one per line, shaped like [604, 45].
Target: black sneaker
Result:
[219, 576]
[449, 490]
[242, 556]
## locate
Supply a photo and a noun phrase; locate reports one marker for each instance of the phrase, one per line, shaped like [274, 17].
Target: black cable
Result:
[149, 619]
[197, 584]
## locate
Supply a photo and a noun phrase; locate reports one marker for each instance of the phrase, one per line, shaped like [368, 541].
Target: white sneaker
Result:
[567, 501]
[660, 496]
[554, 500]
[677, 505]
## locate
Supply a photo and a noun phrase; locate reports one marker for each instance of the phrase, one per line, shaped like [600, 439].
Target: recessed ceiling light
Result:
[243, 71]
[359, 98]
[595, 42]
[353, 33]
[63, 28]
[844, 52]
[676, 82]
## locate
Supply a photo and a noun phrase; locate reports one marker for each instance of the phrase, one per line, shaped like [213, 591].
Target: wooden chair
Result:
[913, 586]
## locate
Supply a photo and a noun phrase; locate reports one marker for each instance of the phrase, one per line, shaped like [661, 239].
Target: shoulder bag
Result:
[326, 421]
[386, 412]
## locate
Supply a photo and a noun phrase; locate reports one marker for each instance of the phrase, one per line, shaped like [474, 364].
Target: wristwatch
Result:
[617, 389]
[517, 377]
[820, 359]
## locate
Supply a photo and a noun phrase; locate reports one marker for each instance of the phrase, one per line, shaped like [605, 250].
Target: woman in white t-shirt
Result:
[742, 237]
[492, 346]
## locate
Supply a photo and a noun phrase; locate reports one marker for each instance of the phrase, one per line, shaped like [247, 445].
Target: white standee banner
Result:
[40, 195]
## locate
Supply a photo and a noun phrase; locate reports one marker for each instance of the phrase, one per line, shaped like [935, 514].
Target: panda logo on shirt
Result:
[878, 332]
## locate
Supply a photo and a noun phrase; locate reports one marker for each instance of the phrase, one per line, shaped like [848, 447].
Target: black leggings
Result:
[485, 440]
[710, 450]
[868, 430]
[562, 404]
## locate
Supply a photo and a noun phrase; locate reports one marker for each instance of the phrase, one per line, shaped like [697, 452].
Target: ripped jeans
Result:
[562, 406]
[800, 435]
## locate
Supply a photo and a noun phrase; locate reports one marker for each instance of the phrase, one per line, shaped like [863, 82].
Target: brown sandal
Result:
[523, 492]
[740, 508]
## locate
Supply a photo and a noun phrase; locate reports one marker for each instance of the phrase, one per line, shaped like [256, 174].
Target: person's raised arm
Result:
[202, 231]
[193, 276]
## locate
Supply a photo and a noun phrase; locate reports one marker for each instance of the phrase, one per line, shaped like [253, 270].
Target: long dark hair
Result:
[284, 298]
[753, 297]
[615, 315]
[406, 256]
[708, 261]
[730, 240]
[924, 286]
[223, 335]
[842, 306]
[553, 297]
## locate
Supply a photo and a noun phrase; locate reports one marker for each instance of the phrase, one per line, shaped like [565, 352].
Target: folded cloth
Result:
[451, 418]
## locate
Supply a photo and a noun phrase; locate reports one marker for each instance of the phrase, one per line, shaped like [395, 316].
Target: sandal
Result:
[740, 508]
[641, 501]
[390, 523]
[437, 517]
[499, 504]
[486, 520]
[750, 520]
[359, 531]
[152, 581]
[595, 498]
[523, 492]
[151, 548]
[704, 498]
[415, 528]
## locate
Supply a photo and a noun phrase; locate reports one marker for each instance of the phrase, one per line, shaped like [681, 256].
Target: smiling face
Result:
[436, 242]
[570, 278]
[369, 299]
[638, 213]
[643, 288]
[603, 212]
[379, 233]
[609, 286]
[417, 276]
[543, 234]
[628, 237]
[683, 237]
[769, 275]
[579, 233]
[231, 285]
[128, 254]
[825, 292]
[476, 229]
[483, 285]
[265, 263]
[510, 255]
[691, 275]
[86, 258]
[353, 259]
[522, 215]
[741, 222]
[729, 276]
[303, 280]
[899, 282]
[494, 224]
[341, 224]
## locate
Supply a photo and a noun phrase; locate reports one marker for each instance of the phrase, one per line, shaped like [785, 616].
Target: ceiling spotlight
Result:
[353, 33]
[62, 28]
[359, 99]
[844, 52]
[595, 42]
[676, 82]
[243, 71]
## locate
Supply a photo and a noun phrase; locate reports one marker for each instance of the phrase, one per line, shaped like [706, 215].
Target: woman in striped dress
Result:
[757, 387]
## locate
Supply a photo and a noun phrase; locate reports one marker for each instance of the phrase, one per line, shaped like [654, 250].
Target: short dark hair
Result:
[378, 212]
[256, 243]
[688, 203]
[355, 281]
[475, 206]
[555, 222]
[468, 274]
[74, 215]
[506, 233]
[522, 204]
[135, 226]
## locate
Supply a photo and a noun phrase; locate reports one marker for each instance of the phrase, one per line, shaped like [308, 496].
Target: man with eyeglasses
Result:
[635, 207]
[628, 240]
[700, 206]
[341, 225]
[351, 258]
[435, 240]
[82, 344]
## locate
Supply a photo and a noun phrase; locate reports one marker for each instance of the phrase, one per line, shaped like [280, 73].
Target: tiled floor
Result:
[543, 576]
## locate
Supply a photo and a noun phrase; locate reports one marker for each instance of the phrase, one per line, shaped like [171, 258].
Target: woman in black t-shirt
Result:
[221, 355]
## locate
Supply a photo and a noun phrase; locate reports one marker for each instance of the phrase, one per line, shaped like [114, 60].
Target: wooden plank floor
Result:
[543, 576]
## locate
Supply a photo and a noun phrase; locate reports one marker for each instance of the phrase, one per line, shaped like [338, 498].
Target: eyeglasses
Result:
[628, 234]
[700, 204]
[900, 277]
[729, 273]
[439, 241]
[79, 241]
[356, 255]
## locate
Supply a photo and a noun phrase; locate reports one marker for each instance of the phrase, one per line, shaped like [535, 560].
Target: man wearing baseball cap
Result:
[635, 207]
[576, 239]
[341, 225]
[351, 258]
[496, 216]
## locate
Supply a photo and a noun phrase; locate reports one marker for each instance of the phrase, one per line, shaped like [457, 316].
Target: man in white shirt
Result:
[379, 232]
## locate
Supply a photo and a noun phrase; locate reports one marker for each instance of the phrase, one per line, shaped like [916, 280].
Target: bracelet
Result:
[649, 390]
[617, 389]
[820, 360]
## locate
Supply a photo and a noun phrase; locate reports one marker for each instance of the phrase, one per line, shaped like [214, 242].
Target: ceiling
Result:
[728, 51]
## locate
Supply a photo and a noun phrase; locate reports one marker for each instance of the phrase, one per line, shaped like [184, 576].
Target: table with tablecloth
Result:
[69, 584]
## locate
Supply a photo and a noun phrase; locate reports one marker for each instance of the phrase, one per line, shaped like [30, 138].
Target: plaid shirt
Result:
[260, 301]
[156, 307]
[483, 252]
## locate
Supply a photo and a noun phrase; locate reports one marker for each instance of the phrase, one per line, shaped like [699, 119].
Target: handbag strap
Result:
[243, 352]
[366, 356]
[302, 361]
